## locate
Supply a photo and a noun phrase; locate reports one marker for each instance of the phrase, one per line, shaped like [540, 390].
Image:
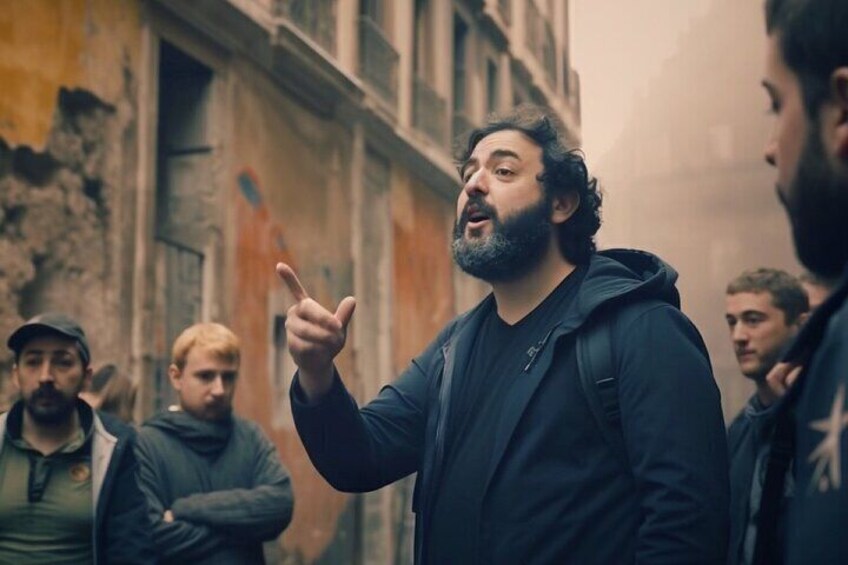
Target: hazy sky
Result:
[617, 46]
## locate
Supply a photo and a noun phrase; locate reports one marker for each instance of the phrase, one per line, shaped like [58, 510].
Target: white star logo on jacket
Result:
[828, 472]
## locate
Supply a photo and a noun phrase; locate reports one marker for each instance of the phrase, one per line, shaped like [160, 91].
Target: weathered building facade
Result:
[157, 158]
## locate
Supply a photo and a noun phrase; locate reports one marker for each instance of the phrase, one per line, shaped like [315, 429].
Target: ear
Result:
[835, 115]
[802, 319]
[175, 376]
[564, 207]
[86, 378]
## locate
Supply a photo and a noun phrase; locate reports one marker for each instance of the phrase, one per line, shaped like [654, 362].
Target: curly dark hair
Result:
[564, 171]
[813, 42]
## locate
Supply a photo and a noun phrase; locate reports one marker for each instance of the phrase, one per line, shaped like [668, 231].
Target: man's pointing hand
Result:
[314, 335]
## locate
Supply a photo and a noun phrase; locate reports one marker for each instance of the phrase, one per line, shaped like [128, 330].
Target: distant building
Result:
[687, 178]
[157, 157]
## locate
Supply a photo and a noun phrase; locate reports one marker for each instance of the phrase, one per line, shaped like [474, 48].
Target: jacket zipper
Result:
[533, 352]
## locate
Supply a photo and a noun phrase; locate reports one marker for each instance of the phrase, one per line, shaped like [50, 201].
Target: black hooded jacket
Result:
[819, 510]
[555, 492]
[223, 483]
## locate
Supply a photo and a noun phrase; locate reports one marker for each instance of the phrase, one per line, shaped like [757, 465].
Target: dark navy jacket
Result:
[749, 440]
[554, 491]
[819, 511]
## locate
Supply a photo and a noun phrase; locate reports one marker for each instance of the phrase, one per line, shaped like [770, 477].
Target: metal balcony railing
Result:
[316, 18]
[428, 110]
[378, 60]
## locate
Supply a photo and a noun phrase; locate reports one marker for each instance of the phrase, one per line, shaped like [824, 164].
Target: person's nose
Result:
[45, 372]
[770, 152]
[477, 183]
[218, 388]
[738, 334]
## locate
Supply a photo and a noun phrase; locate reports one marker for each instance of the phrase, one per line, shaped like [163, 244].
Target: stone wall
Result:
[56, 221]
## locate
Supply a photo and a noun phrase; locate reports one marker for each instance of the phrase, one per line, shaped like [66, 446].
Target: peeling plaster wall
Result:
[67, 166]
[69, 146]
[48, 44]
[291, 196]
[291, 203]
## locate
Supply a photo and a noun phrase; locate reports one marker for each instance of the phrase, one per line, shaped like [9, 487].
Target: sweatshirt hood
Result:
[206, 438]
[616, 275]
[612, 276]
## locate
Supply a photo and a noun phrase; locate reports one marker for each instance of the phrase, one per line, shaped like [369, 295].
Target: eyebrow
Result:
[496, 154]
[750, 312]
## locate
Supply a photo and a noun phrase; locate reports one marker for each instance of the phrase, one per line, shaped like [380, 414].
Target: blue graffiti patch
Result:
[250, 190]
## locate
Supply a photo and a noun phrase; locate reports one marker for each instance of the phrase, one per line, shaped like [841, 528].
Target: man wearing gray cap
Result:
[68, 489]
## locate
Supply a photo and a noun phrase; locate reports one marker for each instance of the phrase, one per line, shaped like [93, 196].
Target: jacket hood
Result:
[206, 438]
[612, 276]
[618, 275]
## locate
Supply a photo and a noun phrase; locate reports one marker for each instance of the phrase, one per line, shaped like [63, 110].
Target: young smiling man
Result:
[214, 482]
[806, 77]
[68, 488]
[764, 309]
[513, 466]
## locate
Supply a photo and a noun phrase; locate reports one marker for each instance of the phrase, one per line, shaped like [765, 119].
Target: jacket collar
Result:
[102, 444]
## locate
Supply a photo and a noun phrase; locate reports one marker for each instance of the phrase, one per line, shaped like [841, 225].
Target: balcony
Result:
[316, 18]
[428, 110]
[540, 41]
[378, 61]
[461, 126]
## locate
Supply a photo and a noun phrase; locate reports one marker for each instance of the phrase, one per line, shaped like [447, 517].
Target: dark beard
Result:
[817, 205]
[513, 248]
[53, 414]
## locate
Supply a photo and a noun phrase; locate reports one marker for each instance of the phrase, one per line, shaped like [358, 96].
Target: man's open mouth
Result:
[477, 218]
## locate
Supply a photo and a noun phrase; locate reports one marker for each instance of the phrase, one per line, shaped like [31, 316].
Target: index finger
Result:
[793, 376]
[290, 278]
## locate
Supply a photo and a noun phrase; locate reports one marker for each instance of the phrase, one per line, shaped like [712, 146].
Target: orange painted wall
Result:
[46, 44]
[298, 163]
[423, 290]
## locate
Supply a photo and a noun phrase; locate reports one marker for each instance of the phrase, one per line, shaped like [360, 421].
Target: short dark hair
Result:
[564, 170]
[813, 42]
[786, 291]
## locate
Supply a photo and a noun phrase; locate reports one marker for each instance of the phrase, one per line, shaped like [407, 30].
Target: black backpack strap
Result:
[767, 545]
[596, 367]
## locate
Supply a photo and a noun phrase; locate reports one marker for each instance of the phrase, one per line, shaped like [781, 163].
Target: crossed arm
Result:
[197, 525]
[256, 514]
